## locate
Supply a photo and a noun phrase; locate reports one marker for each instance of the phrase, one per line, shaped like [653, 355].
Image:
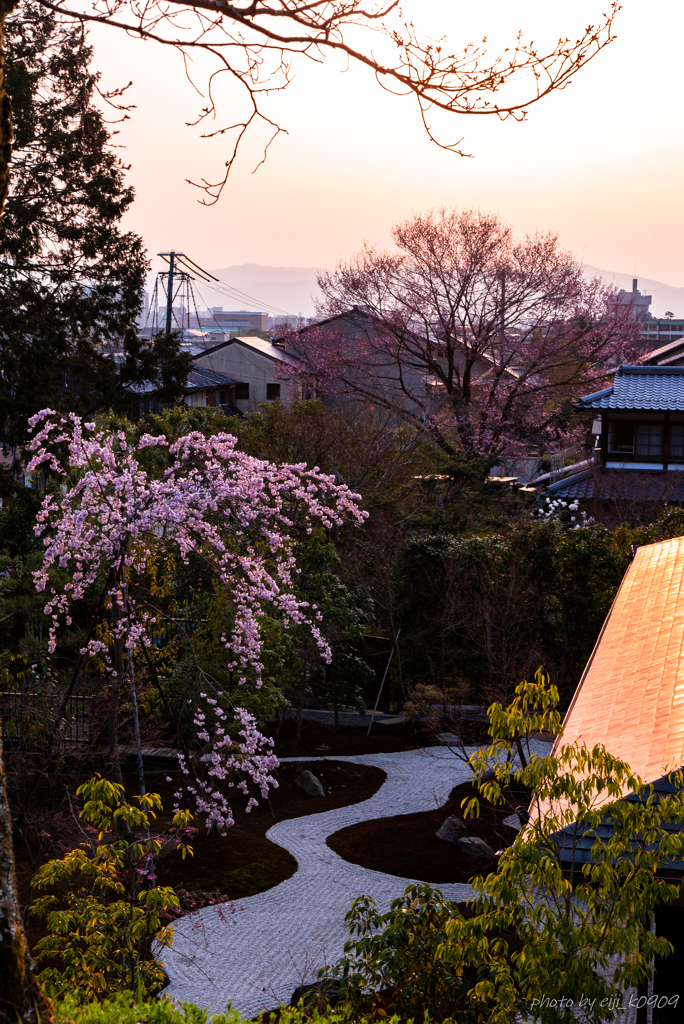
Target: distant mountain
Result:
[665, 296]
[293, 289]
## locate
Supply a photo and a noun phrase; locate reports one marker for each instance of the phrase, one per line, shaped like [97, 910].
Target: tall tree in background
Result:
[482, 338]
[70, 278]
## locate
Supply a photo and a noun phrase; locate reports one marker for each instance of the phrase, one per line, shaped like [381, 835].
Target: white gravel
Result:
[277, 940]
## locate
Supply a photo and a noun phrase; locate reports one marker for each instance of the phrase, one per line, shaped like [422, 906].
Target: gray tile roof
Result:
[200, 377]
[621, 485]
[641, 387]
[575, 843]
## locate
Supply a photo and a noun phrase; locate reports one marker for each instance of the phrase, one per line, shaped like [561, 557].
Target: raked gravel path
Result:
[277, 940]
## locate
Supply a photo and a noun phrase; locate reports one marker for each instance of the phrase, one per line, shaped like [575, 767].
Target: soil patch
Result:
[406, 845]
[319, 738]
[243, 862]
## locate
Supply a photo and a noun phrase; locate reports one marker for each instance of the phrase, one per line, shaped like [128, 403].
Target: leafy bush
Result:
[104, 909]
[125, 1008]
[395, 961]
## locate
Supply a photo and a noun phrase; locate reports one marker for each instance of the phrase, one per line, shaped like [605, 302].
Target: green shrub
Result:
[125, 1008]
[102, 908]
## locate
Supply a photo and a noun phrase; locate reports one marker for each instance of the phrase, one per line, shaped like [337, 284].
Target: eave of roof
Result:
[677, 343]
[265, 348]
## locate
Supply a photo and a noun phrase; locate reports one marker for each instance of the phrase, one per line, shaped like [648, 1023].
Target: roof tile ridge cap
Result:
[590, 662]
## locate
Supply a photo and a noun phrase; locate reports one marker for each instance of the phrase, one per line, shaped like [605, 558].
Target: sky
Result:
[601, 163]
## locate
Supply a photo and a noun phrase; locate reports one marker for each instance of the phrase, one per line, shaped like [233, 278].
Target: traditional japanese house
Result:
[638, 426]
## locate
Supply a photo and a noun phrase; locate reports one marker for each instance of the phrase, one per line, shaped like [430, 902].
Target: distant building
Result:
[639, 303]
[234, 320]
[657, 332]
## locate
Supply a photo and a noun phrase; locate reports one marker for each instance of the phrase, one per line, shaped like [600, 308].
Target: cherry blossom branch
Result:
[212, 501]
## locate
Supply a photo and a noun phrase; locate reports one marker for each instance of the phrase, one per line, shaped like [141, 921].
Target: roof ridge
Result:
[650, 371]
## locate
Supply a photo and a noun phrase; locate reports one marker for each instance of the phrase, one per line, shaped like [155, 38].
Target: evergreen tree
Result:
[70, 278]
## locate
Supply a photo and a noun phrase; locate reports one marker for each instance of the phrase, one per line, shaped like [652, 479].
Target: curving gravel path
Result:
[277, 940]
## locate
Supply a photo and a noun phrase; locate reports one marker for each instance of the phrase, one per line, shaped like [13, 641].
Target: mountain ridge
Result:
[293, 289]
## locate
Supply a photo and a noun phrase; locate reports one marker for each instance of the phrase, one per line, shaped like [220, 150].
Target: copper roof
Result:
[631, 695]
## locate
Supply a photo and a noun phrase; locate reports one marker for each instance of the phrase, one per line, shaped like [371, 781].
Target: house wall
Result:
[254, 368]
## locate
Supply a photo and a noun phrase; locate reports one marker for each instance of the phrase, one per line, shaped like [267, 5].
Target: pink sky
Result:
[601, 163]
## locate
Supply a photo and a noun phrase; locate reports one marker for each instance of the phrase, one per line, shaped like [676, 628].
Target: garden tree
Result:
[118, 506]
[534, 927]
[388, 462]
[255, 46]
[291, 657]
[464, 330]
[477, 609]
[70, 278]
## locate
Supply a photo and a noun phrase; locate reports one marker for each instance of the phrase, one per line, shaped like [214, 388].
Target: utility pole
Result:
[171, 257]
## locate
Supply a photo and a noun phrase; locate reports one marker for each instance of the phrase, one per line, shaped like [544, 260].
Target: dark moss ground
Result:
[348, 740]
[406, 845]
[244, 861]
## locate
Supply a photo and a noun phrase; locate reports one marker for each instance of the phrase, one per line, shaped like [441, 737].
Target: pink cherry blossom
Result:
[237, 513]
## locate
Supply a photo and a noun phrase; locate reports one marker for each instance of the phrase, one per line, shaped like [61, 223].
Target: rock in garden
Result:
[310, 784]
[474, 847]
[512, 821]
[452, 829]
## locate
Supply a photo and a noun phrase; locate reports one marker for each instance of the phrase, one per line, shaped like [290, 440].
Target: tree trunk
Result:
[114, 692]
[21, 998]
[5, 110]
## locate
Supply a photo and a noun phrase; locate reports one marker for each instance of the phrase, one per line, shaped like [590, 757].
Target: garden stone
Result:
[474, 847]
[512, 821]
[452, 829]
[310, 784]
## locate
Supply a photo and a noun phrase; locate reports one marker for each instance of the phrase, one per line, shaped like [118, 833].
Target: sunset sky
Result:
[601, 162]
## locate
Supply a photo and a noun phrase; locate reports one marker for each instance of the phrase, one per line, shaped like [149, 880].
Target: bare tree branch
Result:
[255, 43]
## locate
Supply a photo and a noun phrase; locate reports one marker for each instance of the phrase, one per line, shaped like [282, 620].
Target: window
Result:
[676, 440]
[645, 440]
[621, 437]
[272, 392]
[649, 439]
[222, 397]
[242, 392]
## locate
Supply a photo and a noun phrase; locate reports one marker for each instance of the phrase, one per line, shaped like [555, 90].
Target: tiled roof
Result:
[641, 387]
[672, 346]
[626, 485]
[581, 485]
[200, 377]
[575, 843]
[631, 695]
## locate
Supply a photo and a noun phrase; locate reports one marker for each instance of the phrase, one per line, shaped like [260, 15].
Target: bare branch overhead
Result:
[255, 43]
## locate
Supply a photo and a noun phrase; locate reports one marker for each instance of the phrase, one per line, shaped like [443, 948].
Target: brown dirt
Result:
[349, 739]
[406, 845]
[243, 862]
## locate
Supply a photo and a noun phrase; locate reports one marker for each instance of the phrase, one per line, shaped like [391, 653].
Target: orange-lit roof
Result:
[631, 695]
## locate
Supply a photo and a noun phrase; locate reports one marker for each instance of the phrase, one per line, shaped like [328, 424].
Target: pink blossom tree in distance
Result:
[481, 338]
